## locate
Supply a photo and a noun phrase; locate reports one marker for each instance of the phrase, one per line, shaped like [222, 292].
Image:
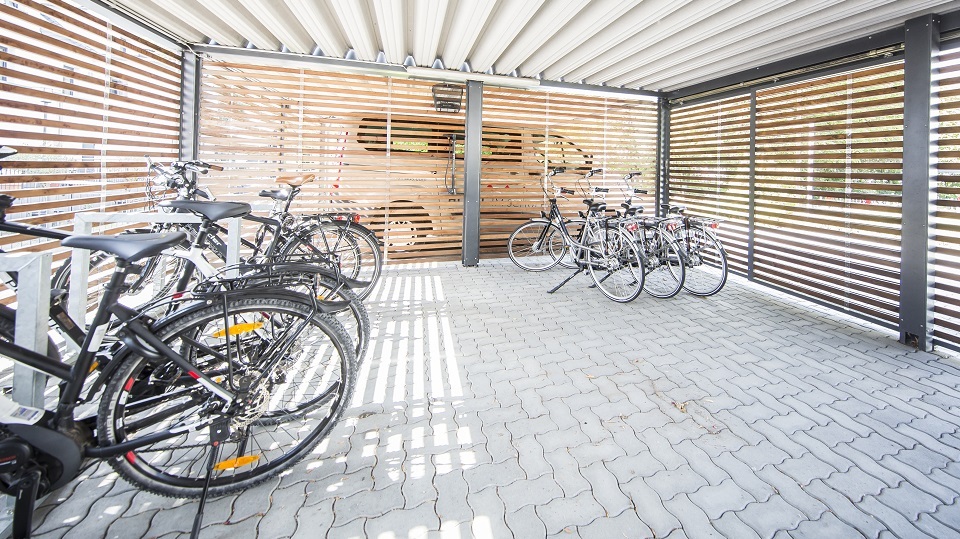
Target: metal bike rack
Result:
[33, 310]
[83, 224]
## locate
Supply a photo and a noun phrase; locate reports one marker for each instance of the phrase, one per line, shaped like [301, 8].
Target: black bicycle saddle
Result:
[213, 211]
[128, 247]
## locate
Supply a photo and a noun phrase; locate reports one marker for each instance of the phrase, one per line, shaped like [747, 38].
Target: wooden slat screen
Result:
[710, 168]
[83, 102]
[527, 132]
[377, 143]
[828, 189]
[947, 230]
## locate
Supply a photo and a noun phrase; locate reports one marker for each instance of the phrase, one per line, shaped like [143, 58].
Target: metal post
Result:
[921, 46]
[662, 188]
[471, 174]
[30, 329]
[752, 185]
[189, 106]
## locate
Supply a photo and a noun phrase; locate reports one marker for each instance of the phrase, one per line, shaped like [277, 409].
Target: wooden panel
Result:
[381, 149]
[946, 239]
[525, 133]
[83, 102]
[710, 168]
[828, 188]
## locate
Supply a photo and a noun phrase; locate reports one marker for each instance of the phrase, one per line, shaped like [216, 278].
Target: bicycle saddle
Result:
[672, 208]
[296, 180]
[276, 194]
[128, 247]
[213, 211]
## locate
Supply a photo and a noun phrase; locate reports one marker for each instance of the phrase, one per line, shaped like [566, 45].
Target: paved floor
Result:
[489, 408]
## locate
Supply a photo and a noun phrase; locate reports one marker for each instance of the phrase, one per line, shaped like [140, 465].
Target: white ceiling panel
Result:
[656, 45]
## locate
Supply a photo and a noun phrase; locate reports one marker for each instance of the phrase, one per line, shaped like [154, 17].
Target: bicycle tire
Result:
[574, 228]
[664, 273]
[357, 250]
[146, 395]
[618, 272]
[705, 261]
[532, 246]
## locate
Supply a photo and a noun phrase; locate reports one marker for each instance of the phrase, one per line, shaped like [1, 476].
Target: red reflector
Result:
[131, 458]
[632, 227]
[671, 226]
[193, 375]
[714, 225]
[128, 386]
[178, 295]
[356, 218]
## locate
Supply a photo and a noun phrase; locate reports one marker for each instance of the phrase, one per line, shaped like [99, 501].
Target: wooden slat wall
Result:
[710, 168]
[828, 189]
[83, 102]
[947, 230]
[383, 150]
[377, 144]
[526, 132]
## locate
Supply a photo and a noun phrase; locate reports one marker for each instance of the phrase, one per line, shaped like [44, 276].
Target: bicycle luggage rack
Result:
[83, 224]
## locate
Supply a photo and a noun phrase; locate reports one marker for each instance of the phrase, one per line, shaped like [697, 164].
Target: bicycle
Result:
[188, 397]
[704, 257]
[607, 253]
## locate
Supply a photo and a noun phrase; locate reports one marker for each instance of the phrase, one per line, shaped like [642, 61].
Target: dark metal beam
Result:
[471, 174]
[861, 45]
[752, 186]
[189, 105]
[922, 44]
[662, 189]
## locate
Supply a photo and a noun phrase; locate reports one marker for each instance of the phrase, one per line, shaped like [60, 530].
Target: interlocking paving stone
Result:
[747, 414]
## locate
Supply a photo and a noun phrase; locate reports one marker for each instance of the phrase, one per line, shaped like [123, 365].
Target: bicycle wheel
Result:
[706, 263]
[536, 246]
[289, 366]
[574, 228]
[354, 317]
[663, 272]
[617, 270]
[354, 248]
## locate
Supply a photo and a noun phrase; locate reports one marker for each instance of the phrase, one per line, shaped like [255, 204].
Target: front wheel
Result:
[287, 364]
[705, 261]
[536, 246]
[615, 265]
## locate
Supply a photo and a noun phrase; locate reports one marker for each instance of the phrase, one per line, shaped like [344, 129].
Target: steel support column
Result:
[921, 45]
[471, 174]
[189, 105]
[662, 189]
[752, 185]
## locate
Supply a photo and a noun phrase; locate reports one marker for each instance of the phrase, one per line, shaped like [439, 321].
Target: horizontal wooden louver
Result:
[377, 144]
[828, 189]
[382, 149]
[82, 102]
[947, 229]
[709, 169]
[526, 133]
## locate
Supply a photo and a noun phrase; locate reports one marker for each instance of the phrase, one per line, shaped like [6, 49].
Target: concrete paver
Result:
[489, 408]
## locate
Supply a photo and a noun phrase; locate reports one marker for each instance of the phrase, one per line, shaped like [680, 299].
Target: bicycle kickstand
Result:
[565, 281]
[26, 500]
[219, 432]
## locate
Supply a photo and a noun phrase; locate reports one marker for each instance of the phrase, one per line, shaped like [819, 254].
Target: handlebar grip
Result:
[558, 170]
[601, 189]
[215, 167]
[596, 171]
[566, 191]
[641, 191]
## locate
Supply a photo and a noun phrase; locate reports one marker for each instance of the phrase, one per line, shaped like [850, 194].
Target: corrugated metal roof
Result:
[657, 45]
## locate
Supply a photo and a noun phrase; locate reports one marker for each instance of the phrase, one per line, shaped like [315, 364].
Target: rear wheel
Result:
[536, 246]
[706, 263]
[287, 364]
[662, 267]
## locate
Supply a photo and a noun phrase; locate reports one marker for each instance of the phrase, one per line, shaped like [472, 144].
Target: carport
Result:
[804, 400]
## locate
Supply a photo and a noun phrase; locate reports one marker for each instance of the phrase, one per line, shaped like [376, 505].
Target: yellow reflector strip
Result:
[239, 328]
[230, 464]
[93, 366]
